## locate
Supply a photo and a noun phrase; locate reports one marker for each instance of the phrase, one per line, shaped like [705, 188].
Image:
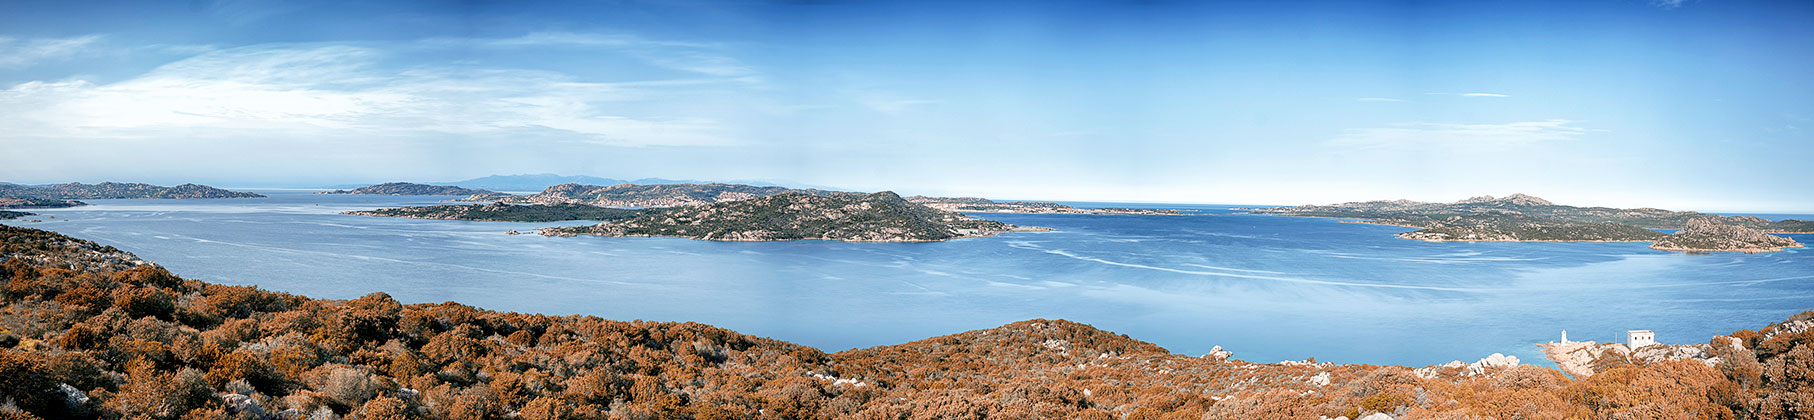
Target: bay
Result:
[1268, 288]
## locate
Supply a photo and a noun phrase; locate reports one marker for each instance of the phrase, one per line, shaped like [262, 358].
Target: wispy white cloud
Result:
[17, 53]
[697, 57]
[1485, 95]
[1667, 4]
[1421, 134]
[1379, 100]
[344, 90]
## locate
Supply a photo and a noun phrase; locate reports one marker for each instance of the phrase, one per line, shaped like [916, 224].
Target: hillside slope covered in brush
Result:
[88, 331]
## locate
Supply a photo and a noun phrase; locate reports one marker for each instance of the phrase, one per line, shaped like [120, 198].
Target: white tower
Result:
[1635, 339]
[1564, 336]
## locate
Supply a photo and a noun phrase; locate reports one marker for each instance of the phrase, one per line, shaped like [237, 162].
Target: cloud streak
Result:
[343, 91]
[16, 53]
[1427, 134]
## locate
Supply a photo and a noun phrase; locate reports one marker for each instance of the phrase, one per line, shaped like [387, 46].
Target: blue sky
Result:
[1682, 104]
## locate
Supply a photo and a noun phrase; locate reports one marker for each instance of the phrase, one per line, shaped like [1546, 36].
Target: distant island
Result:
[501, 212]
[9, 214]
[853, 217]
[984, 205]
[405, 188]
[115, 190]
[1523, 218]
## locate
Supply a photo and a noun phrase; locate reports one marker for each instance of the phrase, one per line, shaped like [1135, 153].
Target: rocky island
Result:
[92, 332]
[984, 205]
[405, 188]
[115, 190]
[1523, 218]
[500, 212]
[1704, 236]
[854, 217]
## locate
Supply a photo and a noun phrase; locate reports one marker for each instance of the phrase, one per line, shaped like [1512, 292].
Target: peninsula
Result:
[1523, 218]
[500, 212]
[93, 332]
[405, 188]
[853, 217]
[1703, 236]
[115, 190]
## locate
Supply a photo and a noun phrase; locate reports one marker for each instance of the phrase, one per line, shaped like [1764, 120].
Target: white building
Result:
[1639, 338]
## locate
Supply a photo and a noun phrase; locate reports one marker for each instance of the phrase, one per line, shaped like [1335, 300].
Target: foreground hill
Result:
[659, 195]
[112, 190]
[405, 188]
[500, 212]
[1523, 218]
[878, 217]
[88, 331]
[1701, 235]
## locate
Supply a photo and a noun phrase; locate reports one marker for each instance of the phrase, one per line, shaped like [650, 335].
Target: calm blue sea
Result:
[1268, 288]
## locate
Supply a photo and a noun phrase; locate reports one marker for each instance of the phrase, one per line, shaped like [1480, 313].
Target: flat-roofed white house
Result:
[1639, 338]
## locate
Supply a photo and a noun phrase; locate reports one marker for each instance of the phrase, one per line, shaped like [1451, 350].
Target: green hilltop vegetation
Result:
[878, 217]
[405, 188]
[1520, 217]
[113, 190]
[91, 332]
[500, 212]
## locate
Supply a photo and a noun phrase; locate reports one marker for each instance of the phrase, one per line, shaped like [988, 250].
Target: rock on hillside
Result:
[1705, 235]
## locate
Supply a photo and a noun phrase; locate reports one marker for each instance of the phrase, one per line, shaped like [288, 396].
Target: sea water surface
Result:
[1268, 288]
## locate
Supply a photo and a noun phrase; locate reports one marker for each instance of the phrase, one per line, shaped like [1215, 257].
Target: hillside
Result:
[88, 331]
[878, 217]
[500, 212]
[658, 195]
[113, 190]
[1702, 235]
[1519, 218]
[1507, 227]
[405, 188]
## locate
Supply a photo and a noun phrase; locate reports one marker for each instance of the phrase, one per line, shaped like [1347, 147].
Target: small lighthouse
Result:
[1564, 336]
